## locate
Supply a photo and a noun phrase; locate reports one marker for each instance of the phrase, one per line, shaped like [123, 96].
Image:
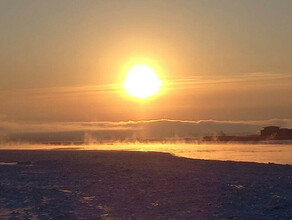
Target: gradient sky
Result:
[222, 60]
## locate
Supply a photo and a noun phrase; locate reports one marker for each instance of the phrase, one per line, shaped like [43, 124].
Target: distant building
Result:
[270, 131]
[274, 132]
[284, 132]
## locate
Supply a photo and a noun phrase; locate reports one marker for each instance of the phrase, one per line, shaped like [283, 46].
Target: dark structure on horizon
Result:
[268, 133]
[276, 132]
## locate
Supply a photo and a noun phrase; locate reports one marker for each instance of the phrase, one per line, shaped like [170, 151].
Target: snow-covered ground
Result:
[68, 184]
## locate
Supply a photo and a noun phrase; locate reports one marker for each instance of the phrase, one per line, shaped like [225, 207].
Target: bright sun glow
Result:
[142, 82]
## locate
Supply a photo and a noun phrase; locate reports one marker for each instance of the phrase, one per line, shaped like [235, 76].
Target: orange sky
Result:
[224, 60]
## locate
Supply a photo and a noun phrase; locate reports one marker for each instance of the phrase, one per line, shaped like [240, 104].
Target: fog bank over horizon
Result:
[147, 129]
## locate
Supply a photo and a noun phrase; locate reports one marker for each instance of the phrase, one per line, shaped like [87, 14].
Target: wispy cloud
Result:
[187, 83]
[174, 83]
[250, 96]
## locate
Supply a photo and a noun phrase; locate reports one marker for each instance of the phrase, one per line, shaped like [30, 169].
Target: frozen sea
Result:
[261, 153]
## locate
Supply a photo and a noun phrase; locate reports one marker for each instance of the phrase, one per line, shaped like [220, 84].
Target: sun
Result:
[142, 82]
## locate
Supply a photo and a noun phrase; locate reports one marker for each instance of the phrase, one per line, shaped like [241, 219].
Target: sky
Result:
[65, 61]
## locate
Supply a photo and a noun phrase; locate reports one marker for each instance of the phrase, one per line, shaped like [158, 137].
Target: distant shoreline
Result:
[211, 140]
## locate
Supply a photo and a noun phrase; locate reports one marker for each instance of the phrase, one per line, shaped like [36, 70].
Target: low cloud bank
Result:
[148, 129]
